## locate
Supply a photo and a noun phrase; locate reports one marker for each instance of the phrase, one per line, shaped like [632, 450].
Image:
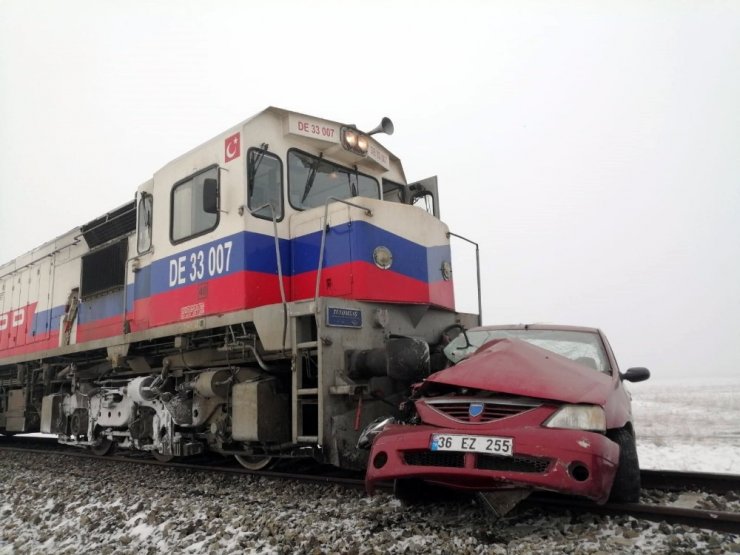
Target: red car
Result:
[522, 408]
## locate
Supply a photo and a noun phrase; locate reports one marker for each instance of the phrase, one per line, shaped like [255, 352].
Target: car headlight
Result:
[578, 417]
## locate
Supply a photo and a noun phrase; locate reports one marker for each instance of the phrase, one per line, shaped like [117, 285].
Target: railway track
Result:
[667, 480]
[700, 518]
[673, 480]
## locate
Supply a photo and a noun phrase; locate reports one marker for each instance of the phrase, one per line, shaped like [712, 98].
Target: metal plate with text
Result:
[343, 317]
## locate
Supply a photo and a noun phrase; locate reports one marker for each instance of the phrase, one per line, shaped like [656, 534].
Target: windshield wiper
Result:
[311, 177]
[255, 164]
[352, 187]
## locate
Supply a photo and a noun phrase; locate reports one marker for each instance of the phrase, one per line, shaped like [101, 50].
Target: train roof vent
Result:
[117, 223]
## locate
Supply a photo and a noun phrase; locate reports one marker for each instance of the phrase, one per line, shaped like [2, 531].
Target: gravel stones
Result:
[52, 503]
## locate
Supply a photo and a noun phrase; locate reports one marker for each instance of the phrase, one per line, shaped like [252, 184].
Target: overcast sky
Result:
[591, 148]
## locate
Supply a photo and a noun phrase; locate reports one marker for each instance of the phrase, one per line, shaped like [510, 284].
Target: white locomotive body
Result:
[265, 295]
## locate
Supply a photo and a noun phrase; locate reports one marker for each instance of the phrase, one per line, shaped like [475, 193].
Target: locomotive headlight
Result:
[446, 270]
[382, 257]
[354, 141]
[578, 417]
[350, 138]
[362, 144]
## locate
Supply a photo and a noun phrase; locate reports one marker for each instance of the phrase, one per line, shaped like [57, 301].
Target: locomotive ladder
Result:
[307, 387]
[306, 402]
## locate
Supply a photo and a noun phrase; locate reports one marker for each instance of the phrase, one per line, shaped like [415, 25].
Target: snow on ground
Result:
[50, 503]
[688, 425]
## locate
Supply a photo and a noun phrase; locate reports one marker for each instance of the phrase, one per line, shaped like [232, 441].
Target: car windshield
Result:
[580, 346]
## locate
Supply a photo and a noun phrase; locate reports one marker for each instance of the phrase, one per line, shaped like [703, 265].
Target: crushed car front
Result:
[517, 410]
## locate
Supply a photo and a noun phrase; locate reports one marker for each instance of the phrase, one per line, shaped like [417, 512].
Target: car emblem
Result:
[476, 409]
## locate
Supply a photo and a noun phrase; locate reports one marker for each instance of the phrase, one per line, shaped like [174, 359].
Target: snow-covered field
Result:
[688, 425]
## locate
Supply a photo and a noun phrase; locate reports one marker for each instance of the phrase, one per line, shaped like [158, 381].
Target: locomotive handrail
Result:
[279, 266]
[477, 270]
[126, 324]
[368, 212]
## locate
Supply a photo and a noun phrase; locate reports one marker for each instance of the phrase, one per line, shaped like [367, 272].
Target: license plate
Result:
[473, 444]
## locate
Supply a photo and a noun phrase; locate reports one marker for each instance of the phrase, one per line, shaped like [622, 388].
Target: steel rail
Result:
[143, 458]
[713, 520]
[668, 480]
[673, 480]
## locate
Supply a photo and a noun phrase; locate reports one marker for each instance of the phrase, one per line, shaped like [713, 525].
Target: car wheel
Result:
[626, 486]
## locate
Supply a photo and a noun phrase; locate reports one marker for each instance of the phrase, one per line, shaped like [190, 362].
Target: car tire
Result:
[626, 486]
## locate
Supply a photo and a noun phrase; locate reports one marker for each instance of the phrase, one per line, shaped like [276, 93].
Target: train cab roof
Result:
[273, 124]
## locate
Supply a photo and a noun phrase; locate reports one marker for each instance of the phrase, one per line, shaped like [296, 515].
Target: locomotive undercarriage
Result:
[220, 391]
[181, 406]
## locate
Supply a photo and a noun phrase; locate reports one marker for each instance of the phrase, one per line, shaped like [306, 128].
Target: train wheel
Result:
[254, 463]
[161, 457]
[103, 447]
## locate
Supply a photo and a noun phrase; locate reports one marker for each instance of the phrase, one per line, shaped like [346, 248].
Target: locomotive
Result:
[266, 295]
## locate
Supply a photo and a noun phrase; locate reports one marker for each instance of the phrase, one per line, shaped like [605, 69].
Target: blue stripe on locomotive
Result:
[342, 247]
[47, 320]
[256, 252]
[104, 306]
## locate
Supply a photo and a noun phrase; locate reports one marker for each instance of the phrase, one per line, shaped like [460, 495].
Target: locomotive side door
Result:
[137, 301]
[17, 320]
[41, 294]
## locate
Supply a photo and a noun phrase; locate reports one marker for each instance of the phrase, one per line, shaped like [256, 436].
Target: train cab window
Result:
[264, 183]
[425, 201]
[189, 215]
[313, 180]
[144, 232]
[393, 192]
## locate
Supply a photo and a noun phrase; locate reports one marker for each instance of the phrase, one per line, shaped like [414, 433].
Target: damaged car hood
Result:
[516, 367]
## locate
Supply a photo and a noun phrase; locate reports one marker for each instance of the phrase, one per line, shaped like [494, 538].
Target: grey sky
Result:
[591, 148]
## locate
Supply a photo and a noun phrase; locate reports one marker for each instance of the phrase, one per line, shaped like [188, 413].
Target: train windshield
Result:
[313, 180]
[579, 346]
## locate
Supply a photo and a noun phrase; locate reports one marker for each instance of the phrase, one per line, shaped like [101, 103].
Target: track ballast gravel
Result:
[52, 503]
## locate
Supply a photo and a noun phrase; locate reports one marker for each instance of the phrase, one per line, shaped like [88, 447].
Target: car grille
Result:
[435, 458]
[492, 410]
[519, 463]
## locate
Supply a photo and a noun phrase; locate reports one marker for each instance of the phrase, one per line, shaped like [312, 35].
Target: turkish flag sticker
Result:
[232, 147]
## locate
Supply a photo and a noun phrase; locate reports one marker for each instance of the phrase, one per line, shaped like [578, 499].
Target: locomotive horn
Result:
[385, 125]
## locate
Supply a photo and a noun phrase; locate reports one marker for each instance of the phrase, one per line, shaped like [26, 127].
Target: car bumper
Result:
[573, 462]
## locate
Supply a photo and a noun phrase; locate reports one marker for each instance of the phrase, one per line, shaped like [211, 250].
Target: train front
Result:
[371, 282]
[346, 241]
